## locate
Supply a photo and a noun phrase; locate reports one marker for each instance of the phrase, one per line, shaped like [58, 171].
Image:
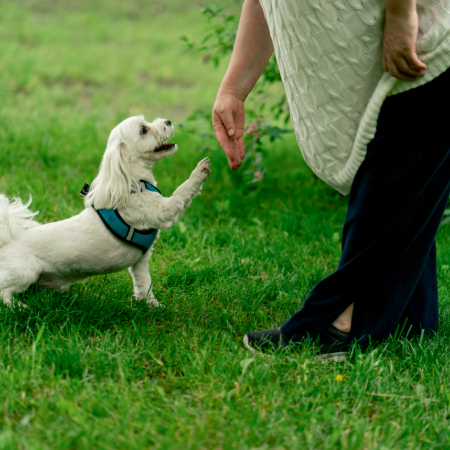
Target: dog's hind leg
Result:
[142, 282]
[14, 281]
[6, 296]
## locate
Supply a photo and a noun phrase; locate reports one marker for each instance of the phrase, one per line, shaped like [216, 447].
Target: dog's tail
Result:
[15, 217]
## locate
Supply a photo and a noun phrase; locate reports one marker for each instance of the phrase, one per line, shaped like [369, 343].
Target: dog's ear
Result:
[112, 186]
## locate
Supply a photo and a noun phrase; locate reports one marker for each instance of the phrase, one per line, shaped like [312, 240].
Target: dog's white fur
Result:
[56, 255]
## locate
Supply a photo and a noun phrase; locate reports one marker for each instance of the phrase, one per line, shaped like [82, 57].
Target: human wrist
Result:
[400, 8]
[225, 91]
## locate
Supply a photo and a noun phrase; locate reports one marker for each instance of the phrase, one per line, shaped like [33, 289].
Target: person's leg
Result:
[422, 311]
[344, 321]
[395, 208]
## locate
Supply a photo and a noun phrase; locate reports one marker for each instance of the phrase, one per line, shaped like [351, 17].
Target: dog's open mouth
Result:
[166, 146]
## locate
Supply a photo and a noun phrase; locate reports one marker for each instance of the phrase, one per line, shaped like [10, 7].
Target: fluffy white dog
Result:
[56, 255]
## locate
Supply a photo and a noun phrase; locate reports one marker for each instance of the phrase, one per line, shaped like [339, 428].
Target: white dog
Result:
[56, 255]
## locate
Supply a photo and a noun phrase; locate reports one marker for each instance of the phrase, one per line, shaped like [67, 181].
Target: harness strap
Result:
[142, 239]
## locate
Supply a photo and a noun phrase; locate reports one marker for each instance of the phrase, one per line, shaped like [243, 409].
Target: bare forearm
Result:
[252, 49]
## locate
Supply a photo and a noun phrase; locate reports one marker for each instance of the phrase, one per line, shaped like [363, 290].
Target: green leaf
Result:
[39, 335]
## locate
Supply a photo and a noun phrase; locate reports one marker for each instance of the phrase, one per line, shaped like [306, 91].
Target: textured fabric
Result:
[396, 203]
[329, 55]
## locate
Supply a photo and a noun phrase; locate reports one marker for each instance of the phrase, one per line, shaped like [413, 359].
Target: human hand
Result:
[399, 44]
[228, 117]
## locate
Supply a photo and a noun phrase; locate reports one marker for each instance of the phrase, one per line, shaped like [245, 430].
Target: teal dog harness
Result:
[142, 239]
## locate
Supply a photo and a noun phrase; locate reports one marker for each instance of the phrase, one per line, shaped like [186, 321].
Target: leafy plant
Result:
[217, 44]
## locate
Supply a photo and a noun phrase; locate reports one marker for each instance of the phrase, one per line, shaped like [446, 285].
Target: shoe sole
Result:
[335, 357]
[247, 345]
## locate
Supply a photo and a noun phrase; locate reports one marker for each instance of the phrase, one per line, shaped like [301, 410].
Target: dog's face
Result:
[144, 141]
[133, 148]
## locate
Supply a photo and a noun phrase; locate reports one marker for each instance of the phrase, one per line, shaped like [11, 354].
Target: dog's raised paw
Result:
[203, 168]
[204, 165]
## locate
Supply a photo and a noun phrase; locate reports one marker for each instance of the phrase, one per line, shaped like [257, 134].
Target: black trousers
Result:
[396, 203]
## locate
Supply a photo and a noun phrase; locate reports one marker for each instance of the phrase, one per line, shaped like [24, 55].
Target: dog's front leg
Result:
[171, 209]
[193, 185]
[142, 282]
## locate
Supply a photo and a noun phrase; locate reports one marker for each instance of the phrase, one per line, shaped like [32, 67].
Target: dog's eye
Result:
[144, 130]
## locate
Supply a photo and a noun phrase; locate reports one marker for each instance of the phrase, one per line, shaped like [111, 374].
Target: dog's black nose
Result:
[168, 122]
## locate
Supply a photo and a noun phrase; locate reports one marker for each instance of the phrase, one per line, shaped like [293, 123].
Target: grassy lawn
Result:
[93, 369]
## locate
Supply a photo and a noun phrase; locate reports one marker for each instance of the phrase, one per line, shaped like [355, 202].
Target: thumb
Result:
[414, 61]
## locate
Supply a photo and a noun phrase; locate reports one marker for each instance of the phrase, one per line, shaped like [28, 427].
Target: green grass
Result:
[93, 369]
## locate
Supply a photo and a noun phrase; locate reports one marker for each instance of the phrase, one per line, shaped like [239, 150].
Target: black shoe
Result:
[333, 343]
[266, 340]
